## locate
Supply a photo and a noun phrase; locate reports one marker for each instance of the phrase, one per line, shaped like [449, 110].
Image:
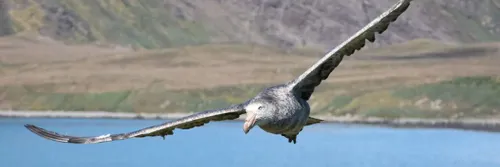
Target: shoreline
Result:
[489, 125]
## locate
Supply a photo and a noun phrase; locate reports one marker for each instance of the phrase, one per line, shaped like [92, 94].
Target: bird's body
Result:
[289, 113]
[282, 109]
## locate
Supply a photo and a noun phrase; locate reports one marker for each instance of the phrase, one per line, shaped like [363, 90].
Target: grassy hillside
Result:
[145, 24]
[476, 97]
[462, 97]
[289, 24]
[421, 78]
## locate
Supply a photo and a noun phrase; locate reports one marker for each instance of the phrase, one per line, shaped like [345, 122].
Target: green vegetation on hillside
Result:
[460, 97]
[145, 24]
[162, 24]
[143, 100]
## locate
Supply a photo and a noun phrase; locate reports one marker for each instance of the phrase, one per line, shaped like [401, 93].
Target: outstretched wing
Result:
[164, 129]
[305, 84]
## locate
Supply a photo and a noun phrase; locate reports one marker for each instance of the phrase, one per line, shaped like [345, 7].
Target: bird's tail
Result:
[312, 120]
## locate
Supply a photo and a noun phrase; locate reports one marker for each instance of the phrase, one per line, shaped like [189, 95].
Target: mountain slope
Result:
[285, 23]
[420, 78]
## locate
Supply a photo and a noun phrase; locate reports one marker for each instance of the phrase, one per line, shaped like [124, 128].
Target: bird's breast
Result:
[289, 117]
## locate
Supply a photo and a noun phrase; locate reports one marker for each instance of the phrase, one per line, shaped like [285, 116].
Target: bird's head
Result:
[258, 113]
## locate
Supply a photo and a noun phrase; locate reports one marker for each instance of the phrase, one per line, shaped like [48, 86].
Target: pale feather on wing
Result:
[305, 84]
[167, 128]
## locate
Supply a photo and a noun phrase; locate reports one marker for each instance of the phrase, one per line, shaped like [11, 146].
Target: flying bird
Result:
[281, 109]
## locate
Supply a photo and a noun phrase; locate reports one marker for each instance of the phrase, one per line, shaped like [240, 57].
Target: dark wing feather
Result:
[164, 129]
[305, 84]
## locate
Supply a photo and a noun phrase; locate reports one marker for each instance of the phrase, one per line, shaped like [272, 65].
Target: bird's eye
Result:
[261, 107]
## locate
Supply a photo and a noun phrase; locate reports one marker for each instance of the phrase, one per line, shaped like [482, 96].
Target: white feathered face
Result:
[255, 107]
[256, 114]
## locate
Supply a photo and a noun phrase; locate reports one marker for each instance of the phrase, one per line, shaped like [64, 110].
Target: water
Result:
[224, 144]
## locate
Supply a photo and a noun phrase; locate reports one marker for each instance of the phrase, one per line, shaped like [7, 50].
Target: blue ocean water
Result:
[224, 144]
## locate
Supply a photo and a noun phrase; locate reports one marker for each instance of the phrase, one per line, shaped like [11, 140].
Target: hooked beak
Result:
[249, 123]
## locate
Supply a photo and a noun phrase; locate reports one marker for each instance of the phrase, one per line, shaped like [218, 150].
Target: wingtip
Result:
[53, 136]
[46, 134]
[31, 127]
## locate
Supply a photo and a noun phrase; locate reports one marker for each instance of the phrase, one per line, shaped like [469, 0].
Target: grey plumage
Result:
[281, 109]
